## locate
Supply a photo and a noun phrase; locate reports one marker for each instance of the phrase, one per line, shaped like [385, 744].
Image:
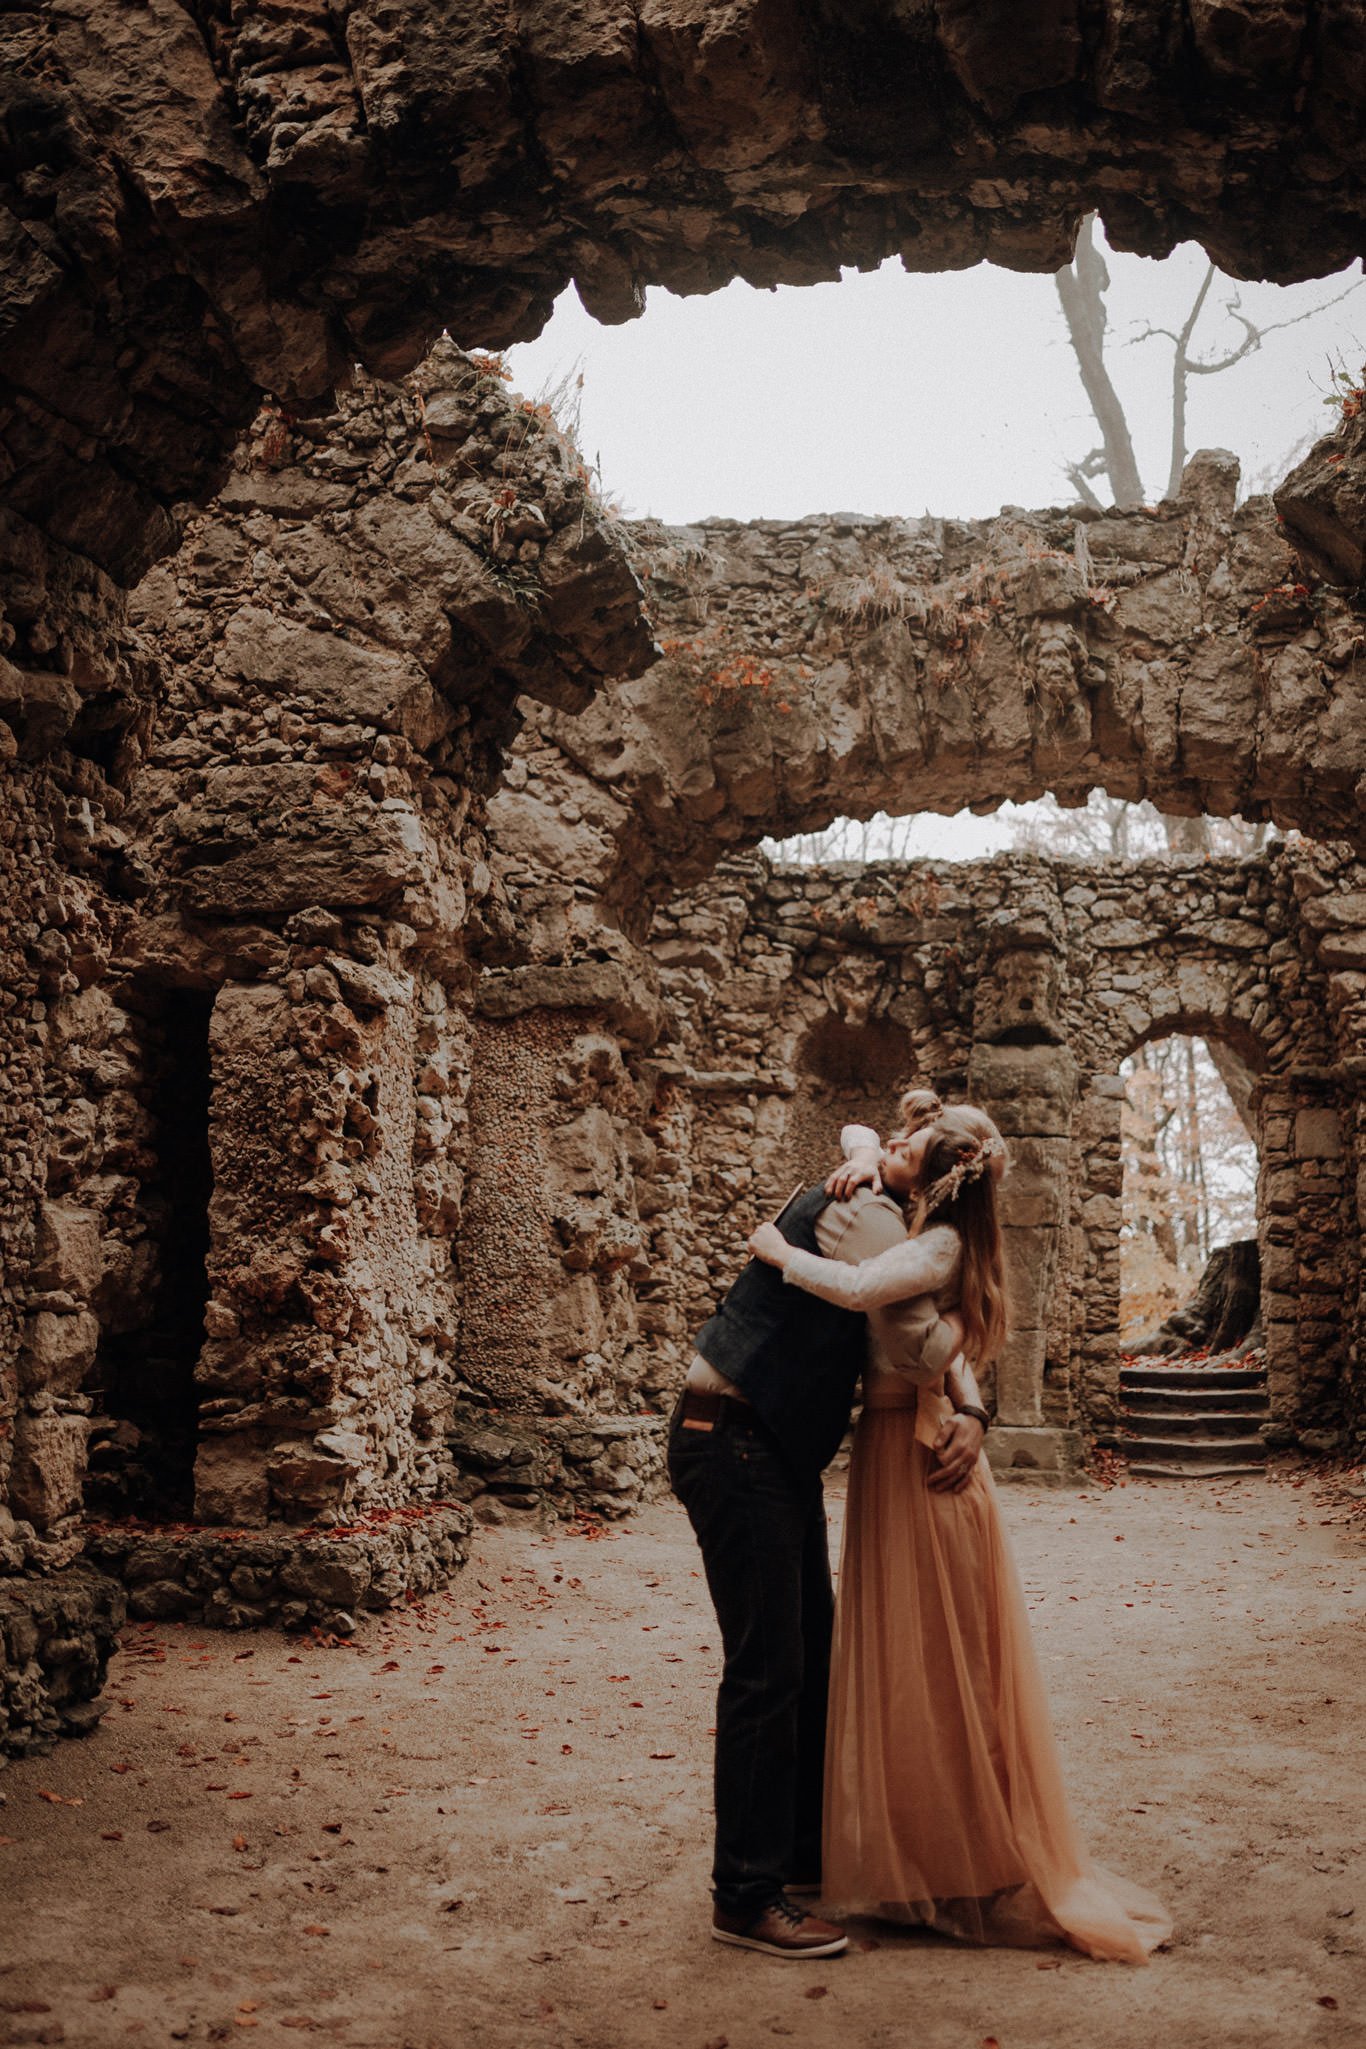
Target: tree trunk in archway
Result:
[1221, 1313]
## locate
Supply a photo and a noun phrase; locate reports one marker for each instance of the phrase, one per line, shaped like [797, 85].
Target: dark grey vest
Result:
[796, 1358]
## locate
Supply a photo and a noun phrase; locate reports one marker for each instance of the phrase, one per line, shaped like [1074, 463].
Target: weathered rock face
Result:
[238, 971]
[201, 203]
[848, 666]
[1322, 503]
[56, 1636]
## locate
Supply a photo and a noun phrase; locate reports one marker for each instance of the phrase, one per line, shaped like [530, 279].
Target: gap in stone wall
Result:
[144, 1434]
[1184, 1196]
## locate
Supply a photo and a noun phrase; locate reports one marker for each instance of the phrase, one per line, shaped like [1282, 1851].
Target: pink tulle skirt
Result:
[944, 1800]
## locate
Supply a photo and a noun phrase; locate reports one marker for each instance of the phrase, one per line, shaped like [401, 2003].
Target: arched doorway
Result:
[1193, 1378]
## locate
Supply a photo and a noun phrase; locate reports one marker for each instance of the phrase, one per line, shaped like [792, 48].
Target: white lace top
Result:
[928, 1265]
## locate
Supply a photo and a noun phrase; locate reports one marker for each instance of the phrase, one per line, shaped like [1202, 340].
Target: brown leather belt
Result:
[698, 1410]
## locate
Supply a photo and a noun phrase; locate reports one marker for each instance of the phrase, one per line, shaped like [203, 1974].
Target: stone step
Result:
[1151, 1444]
[1189, 1469]
[1215, 1422]
[1165, 1401]
[1191, 1378]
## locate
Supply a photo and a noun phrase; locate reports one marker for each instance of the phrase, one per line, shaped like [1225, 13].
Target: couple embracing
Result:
[891, 1755]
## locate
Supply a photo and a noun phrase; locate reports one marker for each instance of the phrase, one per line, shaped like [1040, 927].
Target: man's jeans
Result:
[763, 1540]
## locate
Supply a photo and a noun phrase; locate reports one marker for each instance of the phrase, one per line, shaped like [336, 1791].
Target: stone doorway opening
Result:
[1193, 1382]
[1191, 1161]
[144, 1431]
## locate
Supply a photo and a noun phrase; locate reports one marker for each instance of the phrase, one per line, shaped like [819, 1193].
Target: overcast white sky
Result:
[899, 393]
[895, 393]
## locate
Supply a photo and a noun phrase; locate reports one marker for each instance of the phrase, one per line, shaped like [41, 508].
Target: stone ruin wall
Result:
[243, 957]
[806, 997]
[279, 878]
[1179, 652]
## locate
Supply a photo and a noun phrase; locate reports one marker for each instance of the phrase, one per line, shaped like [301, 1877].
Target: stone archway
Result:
[198, 210]
[834, 667]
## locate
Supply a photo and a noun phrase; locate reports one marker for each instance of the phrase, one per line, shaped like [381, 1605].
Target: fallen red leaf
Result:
[814, 1992]
[1327, 1999]
[60, 1800]
[239, 1796]
[316, 1928]
[239, 1842]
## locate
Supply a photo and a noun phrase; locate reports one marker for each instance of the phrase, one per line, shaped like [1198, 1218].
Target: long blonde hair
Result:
[959, 1173]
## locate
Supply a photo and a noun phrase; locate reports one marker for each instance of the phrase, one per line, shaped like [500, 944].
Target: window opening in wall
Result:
[1103, 828]
[1189, 1270]
[848, 1072]
[144, 1436]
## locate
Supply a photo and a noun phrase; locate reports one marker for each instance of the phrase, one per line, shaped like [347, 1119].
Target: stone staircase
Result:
[1192, 1422]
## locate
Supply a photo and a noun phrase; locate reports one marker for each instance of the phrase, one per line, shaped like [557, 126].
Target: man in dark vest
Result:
[763, 1410]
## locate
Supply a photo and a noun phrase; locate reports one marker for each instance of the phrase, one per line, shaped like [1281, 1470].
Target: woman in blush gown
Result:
[944, 1799]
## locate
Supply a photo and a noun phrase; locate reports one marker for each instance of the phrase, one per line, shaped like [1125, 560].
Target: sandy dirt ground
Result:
[485, 1825]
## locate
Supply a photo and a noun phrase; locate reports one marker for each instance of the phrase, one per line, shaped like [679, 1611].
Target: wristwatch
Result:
[969, 1409]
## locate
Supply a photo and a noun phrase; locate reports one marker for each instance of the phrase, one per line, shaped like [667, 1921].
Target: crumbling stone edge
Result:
[57, 1634]
[289, 1577]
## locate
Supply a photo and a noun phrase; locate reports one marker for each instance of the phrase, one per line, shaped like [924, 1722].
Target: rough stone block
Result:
[67, 1252]
[1029, 1090]
[58, 1351]
[230, 1483]
[48, 1473]
[1318, 1134]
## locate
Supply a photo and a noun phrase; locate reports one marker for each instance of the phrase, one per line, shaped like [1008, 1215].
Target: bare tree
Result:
[1081, 286]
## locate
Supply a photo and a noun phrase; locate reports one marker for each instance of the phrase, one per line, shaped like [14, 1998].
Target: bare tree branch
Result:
[1081, 287]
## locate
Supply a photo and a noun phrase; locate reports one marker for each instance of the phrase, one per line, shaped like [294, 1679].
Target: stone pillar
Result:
[1029, 1091]
[1309, 1251]
[550, 1245]
[308, 1366]
[1097, 1214]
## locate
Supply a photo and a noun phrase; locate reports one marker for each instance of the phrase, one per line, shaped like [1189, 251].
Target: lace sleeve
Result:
[859, 1137]
[918, 1266]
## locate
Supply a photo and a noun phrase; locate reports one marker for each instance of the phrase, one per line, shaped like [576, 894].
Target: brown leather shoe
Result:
[782, 1930]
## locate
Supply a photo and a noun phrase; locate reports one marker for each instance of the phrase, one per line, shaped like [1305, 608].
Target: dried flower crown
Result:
[969, 1166]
